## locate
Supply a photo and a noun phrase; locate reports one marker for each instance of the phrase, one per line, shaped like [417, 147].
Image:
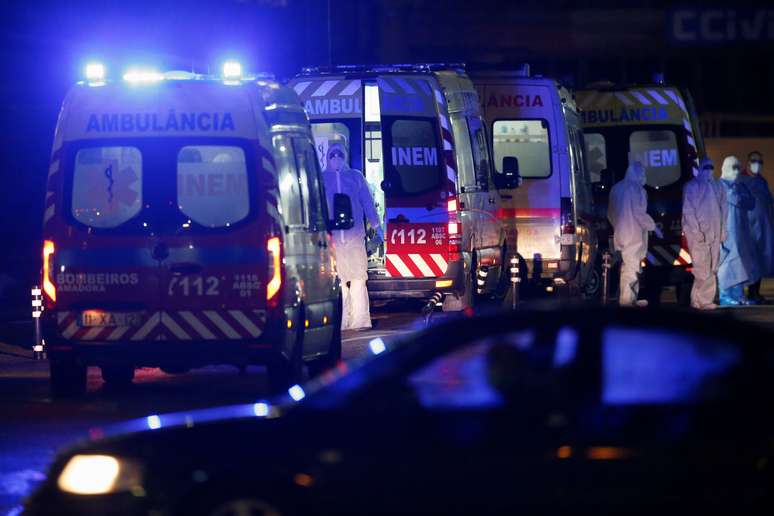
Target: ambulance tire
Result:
[285, 372]
[329, 361]
[117, 376]
[470, 298]
[592, 287]
[68, 377]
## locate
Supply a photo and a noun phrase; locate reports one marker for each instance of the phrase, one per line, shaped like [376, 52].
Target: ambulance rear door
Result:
[525, 123]
[417, 182]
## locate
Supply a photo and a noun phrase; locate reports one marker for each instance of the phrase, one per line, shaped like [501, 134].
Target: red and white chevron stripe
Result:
[416, 265]
[664, 255]
[171, 325]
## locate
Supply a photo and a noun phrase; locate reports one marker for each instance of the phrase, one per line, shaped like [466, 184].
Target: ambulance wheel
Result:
[592, 287]
[284, 372]
[117, 375]
[68, 377]
[470, 298]
[329, 361]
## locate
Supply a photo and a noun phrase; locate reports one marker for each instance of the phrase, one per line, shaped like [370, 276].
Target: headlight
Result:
[98, 474]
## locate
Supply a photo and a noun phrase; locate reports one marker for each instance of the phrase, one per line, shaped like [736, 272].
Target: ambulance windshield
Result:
[527, 141]
[412, 156]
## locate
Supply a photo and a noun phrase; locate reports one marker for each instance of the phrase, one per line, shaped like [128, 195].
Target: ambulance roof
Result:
[374, 70]
[180, 104]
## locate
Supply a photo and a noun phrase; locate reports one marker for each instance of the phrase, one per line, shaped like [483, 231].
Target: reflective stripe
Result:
[175, 328]
[405, 85]
[201, 329]
[246, 323]
[439, 98]
[48, 213]
[146, 328]
[661, 100]
[70, 330]
[421, 265]
[623, 98]
[222, 325]
[351, 88]
[440, 262]
[53, 167]
[301, 86]
[324, 88]
[642, 98]
[396, 261]
[118, 333]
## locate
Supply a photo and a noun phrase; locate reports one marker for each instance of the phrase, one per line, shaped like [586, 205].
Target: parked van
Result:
[417, 134]
[534, 122]
[657, 125]
[185, 225]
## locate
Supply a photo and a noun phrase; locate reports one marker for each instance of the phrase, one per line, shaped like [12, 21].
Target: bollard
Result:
[515, 280]
[429, 308]
[38, 345]
[605, 275]
[481, 275]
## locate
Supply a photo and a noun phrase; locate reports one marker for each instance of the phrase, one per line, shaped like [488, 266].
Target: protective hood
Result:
[636, 173]
[705, 174]
[729, 173]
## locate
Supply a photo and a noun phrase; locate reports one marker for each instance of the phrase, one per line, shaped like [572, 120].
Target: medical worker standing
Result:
[761, 222]
[705, 210]
[350, 245]
[627, 212]
[738, 259]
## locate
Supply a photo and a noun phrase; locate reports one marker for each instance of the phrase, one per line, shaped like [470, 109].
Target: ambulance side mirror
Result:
[342, 213]
[510, 177]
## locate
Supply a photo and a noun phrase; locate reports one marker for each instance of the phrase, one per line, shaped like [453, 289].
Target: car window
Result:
[466, 169]
[310, 182]
[291, 201]
[480, 152]
[107, 186]
[596, 154]
[212, 184]
[645, 366]
[657, 151]
[488, 372]
[526, 140]
[413, 155]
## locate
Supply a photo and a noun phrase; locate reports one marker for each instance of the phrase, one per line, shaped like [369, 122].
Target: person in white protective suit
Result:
[705, 210]
[627, 212]
[350, 245]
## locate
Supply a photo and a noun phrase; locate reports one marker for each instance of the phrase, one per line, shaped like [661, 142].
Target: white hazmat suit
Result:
[627, 212]
[705, 210]
[350, 245]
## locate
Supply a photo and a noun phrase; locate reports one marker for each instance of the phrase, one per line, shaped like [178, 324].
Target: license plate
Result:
[101, 319]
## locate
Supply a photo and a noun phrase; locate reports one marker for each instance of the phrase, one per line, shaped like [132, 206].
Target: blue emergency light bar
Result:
[143, 76]
[95, 72]
[232, 70]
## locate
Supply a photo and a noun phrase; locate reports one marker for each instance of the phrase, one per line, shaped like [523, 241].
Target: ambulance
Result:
[657, 125]
[185, 225]
[535, 124]
[417, 134]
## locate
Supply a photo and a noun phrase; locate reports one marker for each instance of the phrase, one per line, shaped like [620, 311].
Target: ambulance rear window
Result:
[412, 153]
[527, 141]
[212, 184]
[596, 153]
[107, 186]
[657, 151]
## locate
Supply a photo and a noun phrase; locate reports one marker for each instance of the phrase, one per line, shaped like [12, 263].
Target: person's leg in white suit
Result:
[704, 280]
[357, 313]
[630, 281]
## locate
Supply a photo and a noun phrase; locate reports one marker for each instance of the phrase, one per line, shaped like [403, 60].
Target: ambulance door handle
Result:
[491, 200]
[322, 243]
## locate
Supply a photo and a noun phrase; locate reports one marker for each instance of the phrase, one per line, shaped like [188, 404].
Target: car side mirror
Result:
[510, 177]
[342, 212]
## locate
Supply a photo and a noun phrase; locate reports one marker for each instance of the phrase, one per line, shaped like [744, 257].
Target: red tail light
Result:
[274, 247]
[49, 288]
[454, 230]
[566, 218]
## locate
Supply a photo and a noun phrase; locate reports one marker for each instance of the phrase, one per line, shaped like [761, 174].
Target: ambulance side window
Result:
[527, 141]
[309, 177]
[480, 151]
[466, 170]
[107, 186]
[212, 184]
[291, 201]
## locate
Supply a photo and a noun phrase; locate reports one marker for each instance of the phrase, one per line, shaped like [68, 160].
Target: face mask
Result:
[755, 167]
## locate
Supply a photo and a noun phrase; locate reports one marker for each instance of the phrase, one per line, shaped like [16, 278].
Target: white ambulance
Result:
[185, 225]
[534, 124]
[417, 134]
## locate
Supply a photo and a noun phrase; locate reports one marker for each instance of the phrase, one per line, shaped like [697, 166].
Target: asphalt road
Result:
[33, 426]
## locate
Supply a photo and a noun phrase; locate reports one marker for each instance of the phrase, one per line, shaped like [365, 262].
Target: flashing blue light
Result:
[296, 392]
[137, 76]
[232, 70]
[377, 346]
[154, 422]
[95, 72]
[261, 409]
